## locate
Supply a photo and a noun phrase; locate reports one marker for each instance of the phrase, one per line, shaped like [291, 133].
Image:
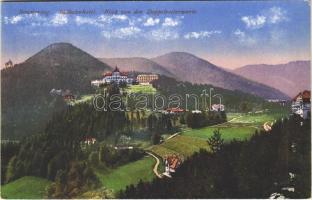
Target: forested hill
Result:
[193, 69]
[26, 102]
[233, 100]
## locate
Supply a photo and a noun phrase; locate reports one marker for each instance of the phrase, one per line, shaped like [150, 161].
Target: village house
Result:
[67, 95]
[8, 64]
[89, 140]
[174, 110]
[217, 107]
[115, 76]
[146, 78]
[301, 104]
[171, 164]
[196, 111]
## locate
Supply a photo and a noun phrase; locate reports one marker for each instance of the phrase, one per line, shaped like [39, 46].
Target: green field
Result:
[181, 145]
[256, 119]
[240, 127]
[145, 89]
[231, 116]
[119, 178]
[27, 187]
[228, 133]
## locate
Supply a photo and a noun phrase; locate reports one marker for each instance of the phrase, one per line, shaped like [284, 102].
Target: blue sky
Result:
[228, 34]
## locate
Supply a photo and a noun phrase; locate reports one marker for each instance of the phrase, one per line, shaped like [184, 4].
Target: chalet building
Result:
[146, 78]
[55, 92]
[217, 107]
[196, 111]
[89, 140]
[115, 76]
[66, 94]
[174, 110]
[171, 164]
[301, 104]
[69, 97]
[8, 64]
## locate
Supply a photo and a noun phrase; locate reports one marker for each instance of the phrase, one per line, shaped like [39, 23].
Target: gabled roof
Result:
[305, 95]
[116, 69]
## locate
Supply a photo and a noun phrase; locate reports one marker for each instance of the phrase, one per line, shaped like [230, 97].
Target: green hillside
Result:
[27, 187]
[240, 127]
[119, 178]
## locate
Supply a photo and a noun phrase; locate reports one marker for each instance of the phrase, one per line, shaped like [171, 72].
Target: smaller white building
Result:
[196, 111]
[301, 104]
[217, 107]
[90, 140]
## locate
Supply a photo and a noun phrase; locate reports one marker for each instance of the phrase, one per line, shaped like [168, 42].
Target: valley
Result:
[114, 150]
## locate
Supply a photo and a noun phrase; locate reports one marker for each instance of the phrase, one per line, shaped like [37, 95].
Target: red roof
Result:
[111, 73]
[173, 161]
[175, 110]
[107, 74]
[306, 95]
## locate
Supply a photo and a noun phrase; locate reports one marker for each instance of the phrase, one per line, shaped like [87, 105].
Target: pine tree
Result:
[215, 141]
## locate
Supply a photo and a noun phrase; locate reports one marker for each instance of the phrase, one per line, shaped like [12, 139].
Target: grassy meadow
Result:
[131, 173]
[145, 89]
[239, 127]
[27, 187]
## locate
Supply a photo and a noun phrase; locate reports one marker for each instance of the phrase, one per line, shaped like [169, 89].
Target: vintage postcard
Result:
[155, 100]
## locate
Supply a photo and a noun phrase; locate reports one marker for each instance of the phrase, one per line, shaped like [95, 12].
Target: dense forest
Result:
[236, 101]
[270, 162]
[61, 153]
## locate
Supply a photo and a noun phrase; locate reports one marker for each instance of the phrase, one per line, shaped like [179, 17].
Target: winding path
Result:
[155, 169]
[172, 136]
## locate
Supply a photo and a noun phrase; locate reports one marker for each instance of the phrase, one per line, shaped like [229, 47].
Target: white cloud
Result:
[254, 22]
[59, 19]
[162, 34]
[276, 15]
[13, 19]
[128, 31]
[201, 34]
[112, 18]
[33, 18]
[244, 39]
[122, 33]
[239, 33]
[151, 22]
[101, 20]
[85, 20]
[119, 17]
[16, 19]
[171, 22]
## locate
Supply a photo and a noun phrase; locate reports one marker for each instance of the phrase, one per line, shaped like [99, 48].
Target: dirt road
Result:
[155, 169]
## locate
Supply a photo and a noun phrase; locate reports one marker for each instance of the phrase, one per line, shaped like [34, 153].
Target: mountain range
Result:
[27, 105]
[187, 67]
[290, 78]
